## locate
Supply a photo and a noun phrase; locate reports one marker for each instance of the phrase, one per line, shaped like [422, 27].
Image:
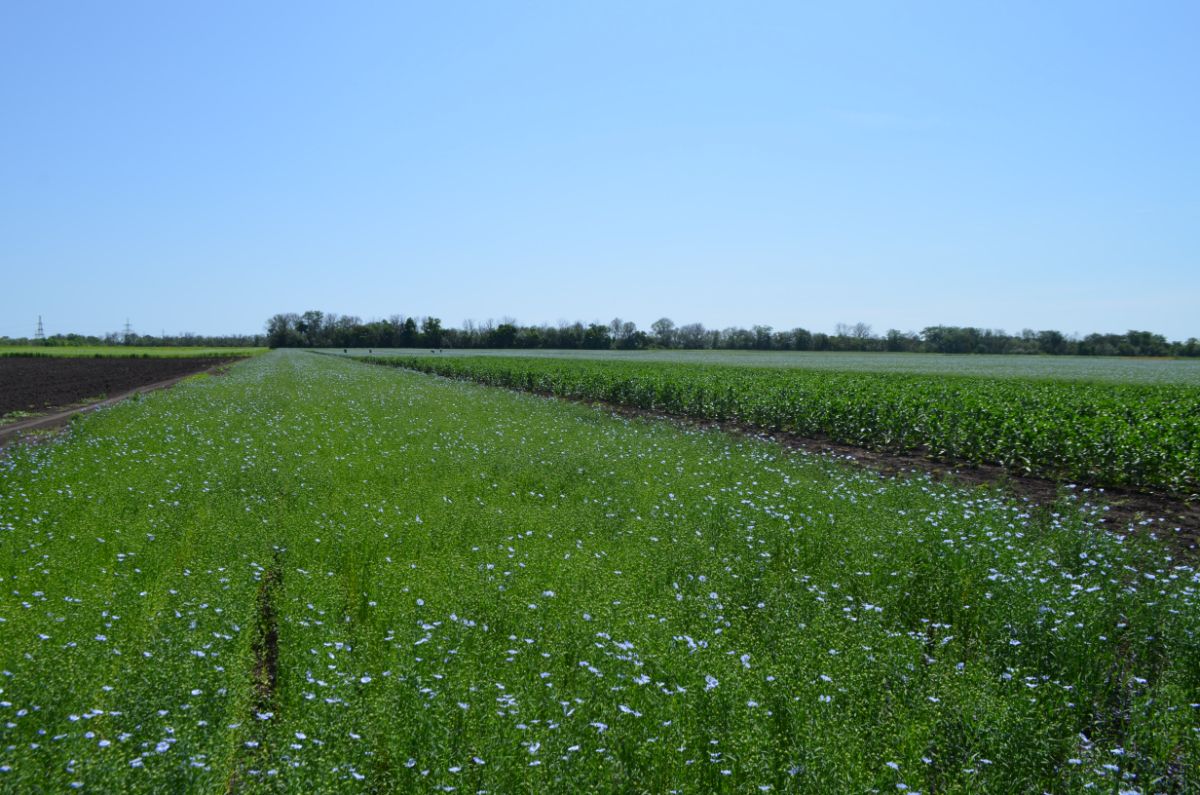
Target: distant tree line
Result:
[315, 329]
[143, 340]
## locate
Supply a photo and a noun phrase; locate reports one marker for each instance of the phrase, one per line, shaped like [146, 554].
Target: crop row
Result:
[311, 575]
[1136, 436]
[1102, 369]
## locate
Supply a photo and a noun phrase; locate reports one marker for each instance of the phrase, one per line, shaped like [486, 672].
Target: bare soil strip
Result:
[43, 383]
[59, 417]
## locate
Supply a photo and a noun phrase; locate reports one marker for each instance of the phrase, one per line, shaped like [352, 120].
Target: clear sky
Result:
[200, 166]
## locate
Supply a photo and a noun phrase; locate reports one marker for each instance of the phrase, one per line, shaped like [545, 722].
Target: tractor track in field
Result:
[264, 671]
[266, 639]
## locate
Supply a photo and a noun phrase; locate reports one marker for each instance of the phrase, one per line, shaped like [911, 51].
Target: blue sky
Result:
[201, 166]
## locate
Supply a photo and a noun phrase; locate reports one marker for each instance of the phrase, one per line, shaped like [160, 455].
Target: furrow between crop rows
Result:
[264, 676]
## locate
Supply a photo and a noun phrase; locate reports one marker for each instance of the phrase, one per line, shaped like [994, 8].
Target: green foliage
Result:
[1103, 369]
[311, 575]
[315, 329]
[1136, 436]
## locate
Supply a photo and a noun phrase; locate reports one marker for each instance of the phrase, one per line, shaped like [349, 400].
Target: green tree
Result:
[664, 331]
[408, 334]
[596, 337]
[431, 332]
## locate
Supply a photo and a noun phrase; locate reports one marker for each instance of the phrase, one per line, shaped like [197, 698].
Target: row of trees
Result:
[143, 340]
[315, 329]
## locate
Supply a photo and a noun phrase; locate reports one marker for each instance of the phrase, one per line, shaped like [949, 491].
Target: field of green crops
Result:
[1105, 369]
[315, 575]
[122, 351]
[1139, 436]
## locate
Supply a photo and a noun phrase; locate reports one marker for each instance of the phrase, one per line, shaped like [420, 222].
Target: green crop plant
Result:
[1101, 369]
[1129, 435]
[312, 575]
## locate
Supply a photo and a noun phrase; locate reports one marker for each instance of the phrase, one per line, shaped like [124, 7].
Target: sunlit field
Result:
[315, 574]
[1133, 435]
[1110, 369]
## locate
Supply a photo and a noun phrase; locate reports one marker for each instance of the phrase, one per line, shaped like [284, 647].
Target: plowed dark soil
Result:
[40, 383]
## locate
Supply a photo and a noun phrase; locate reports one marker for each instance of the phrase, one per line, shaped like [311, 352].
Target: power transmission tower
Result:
[128, 332]
[40, 336]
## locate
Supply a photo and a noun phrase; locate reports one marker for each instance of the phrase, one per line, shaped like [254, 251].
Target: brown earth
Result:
[37, 384]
